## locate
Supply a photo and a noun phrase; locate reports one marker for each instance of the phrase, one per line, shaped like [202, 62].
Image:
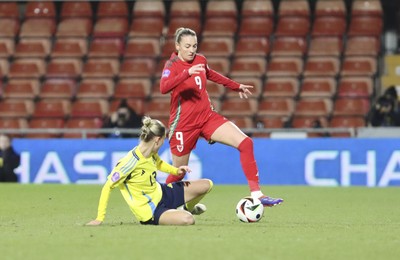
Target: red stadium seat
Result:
[193, 23]
[276, 107]
[38, 27]
[366, 8]
[355, 87]
[27, 68]
[9, 10]
[137, 104]
[9, 27]
[225, 26]
[221, 65]
[289, 46]
[359, 66]
[296, 8]
[242, 121]
[137, 67]
[82, 124]
[40, 9]
[76, 9]
[214, 90]
[33, 48]
[248, 67]
[168, 48]
[46, 123]
[281, 87]
[308, 122]
[13, 123]
[365, 26]
[325, 46]
[329, 26]
[285, 66]
[217, 46]
[256, 26]
[27, 89]
[158, 107]
[64, 68]
[106, 48]
[293, 26]
[351, 107]
[142, 47]
[74, 27]
[191, 8]
[100, 68]
[217, 8]
[313, 107]
[111, 27]
[251, 8]
[318, 87]
[238, 107]
[52, 108]
[89, 108]
[154, 8]
[251, 81]
[4, 68]
[7, 47]
[16, 108]
[270, 121]
[112, 9]
[322, 66]
[330, 8]
[362, 46]
[252, 46]
[133, 88]
[58, 88]
[347, 121]
[95, 88]
[146, 27]
[69, 48]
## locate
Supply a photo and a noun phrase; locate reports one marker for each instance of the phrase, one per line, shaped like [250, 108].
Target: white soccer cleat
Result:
[199, 209]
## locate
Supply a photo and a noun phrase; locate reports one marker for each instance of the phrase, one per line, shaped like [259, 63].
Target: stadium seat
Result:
[33, 48]
[4, 68]
[133, 88]
[362, 46]
[106, 48]
[248, 67]
[242, 121]
[366, 8]
[142, 47]
[16, 108]
[313, 107]
[74, 27]
[45, 123]
[359, 66]
[329, 26]
[137, 104]
[285, 66]
[325, 46]
[347, 121]
[111, 27]
[214, 90]
[146, 27]
[154, 8]
[294, 8]
[158, 107]
[252, 46]
[9, 10]
[82, 124]
[27, 68]
[355, 87]
[270, 122]
[58, 88]
[64, 68]
[112, 9]
[251, 8]
[100, 68]
[13, 123]
[238, 107]
[308, 122]
[191, 8]
[282, 107]
[256, 91]
[52, 108]
[318, 87]
[69, 48]
[289, 46]
[365, 26]
[351, 107]
[137, 67]
[281, 87]
[215, 8]
[322, 66]
[89, 108]
[217, 46]
[7, 47]
[225, 26]
[72, 9]
[95, 88]
[256, 26]
[160, 67]
[9, 27]
[330, 8]
[40, 9]
[221, 65]
[167, 48]
[193, 23]
[38, 27]
[293, 26]
[26, 89]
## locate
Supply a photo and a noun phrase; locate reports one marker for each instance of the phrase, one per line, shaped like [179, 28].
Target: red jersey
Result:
[190, 105]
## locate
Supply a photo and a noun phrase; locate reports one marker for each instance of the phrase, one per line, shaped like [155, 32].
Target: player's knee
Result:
[209, 186]
[188, 219]
[246, 145]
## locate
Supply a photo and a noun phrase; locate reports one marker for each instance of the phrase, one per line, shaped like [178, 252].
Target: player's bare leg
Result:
[176, 217]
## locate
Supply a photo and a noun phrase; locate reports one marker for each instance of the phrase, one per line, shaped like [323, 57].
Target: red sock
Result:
[249, 164]
[173, 178]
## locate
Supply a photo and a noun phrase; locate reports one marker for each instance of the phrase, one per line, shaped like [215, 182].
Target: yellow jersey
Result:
[135, 176]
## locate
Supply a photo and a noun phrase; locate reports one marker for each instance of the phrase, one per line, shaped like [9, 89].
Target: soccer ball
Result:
[249, 210]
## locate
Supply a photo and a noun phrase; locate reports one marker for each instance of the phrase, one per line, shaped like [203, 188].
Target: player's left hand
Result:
[244, 90]
[183, 169]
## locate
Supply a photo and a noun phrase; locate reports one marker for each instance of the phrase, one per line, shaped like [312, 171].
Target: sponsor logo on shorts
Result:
[180, 148]
[115, 177]
[166, 73]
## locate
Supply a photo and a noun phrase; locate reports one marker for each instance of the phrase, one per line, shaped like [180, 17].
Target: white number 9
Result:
[197, 79]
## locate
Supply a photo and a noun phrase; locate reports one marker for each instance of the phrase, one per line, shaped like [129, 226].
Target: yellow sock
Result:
[190, 205]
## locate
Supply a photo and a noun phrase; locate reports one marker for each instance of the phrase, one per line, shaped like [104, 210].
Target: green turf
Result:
[47, 222]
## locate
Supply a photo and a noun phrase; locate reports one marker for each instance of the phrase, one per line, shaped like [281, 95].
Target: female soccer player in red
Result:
[185, 76]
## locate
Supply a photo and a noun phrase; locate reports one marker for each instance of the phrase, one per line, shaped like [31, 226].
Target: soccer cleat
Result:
[199, 209]
[270, 202]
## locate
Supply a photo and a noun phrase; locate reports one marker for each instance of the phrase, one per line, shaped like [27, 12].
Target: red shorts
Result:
[183, 141]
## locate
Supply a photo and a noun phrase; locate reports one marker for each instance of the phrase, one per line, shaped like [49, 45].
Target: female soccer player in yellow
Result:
[150, 201]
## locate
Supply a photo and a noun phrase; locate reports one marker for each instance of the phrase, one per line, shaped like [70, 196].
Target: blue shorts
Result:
[172, 197]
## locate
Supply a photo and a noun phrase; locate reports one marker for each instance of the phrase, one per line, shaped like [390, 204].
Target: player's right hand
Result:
[196, 69]
[94, 223]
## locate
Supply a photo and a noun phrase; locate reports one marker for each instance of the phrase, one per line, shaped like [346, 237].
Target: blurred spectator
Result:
[9, 160]
[386, 110]
[124, 118]
[316, 124]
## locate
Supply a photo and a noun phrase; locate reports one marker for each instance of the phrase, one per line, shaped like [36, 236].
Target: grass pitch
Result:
[47, 222]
